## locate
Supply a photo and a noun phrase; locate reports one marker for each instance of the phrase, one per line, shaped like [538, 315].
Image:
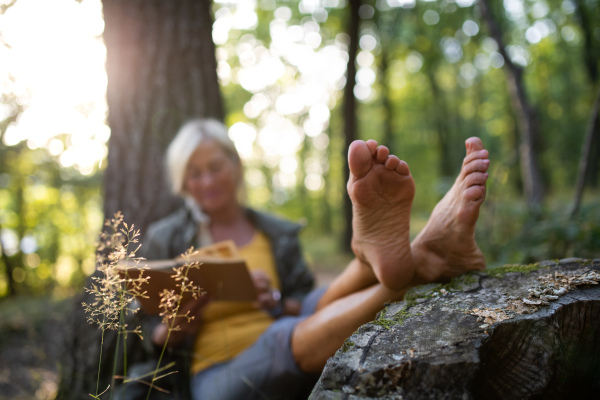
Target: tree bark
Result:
[350, 125]
[591, 56]
[441, 118]
[8, 270]
[389, 138]
[585, 15]
[161, 69]
[527, 118]
[476, 338]
[388, 23]
[584, 160]
[326, 222]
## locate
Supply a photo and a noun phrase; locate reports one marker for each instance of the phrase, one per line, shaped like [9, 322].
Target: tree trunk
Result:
[593, 172]
[326, 222]
[477, 338]
[591, 56]
[161, 70]
[585, 15]
[389, 138]
[440, 112]
[527, 118]
[584, 161]
[8, 270]
[387, 25]
[350, 126]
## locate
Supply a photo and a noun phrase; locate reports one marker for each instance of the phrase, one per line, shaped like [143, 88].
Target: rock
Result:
[515, 332]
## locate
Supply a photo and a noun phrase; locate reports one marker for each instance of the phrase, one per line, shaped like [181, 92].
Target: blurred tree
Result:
[388, 23]
[161, 71]
[8, 271]
[349, 111]
[527, 117]
[6, 154]
[584, 161]
[588, 15]
[434, 68]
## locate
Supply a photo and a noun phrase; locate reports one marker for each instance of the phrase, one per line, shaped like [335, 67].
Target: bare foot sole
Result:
[446, 247]
[381, 189]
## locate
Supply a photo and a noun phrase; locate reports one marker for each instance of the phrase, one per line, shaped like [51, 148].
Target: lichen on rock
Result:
[498, 334]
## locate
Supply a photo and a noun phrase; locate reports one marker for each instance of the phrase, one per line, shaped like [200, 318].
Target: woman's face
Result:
[212, 177]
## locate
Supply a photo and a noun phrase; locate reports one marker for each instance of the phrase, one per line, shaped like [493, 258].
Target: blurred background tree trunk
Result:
[387, 26]
[161, 71]
[527, 118]
[586, 15]
[349, 112]
[442, 129]
[591, 136]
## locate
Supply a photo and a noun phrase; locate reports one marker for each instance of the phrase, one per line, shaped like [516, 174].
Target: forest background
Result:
[299, 79]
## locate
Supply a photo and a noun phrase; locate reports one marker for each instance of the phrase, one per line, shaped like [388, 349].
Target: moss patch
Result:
[461, 283]
[397, 319]
[348, 344]
[506, 269]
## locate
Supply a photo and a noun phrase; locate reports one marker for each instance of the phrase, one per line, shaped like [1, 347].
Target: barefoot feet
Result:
[381, 189]
[446, 247]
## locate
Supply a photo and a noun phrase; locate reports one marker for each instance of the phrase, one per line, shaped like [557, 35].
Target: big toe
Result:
[360, 157]
[473, 144]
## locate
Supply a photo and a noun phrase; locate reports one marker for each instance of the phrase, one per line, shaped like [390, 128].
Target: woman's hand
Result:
[268, 298]
[182, 327]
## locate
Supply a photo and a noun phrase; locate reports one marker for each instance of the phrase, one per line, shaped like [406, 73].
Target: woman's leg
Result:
[445, 249]
[317, 338]
[266, 370]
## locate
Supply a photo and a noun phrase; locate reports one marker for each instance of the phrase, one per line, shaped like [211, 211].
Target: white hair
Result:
[187, 140]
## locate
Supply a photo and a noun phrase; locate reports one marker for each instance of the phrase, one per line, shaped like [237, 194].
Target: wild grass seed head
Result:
[170, 300]
[112, 288]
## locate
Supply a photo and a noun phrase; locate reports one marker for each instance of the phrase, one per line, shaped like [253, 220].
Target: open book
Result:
[222, 274]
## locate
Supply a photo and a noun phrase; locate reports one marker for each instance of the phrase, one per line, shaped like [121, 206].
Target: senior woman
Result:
[205, 169]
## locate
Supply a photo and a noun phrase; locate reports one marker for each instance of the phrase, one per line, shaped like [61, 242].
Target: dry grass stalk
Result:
[112, 293]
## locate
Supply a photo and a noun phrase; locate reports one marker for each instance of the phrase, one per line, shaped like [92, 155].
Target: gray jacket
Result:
[174, 234]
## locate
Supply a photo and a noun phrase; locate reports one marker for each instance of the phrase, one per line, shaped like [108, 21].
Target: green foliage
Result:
[52, 217]
[511, 235]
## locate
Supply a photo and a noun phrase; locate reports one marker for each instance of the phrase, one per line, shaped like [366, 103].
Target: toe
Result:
[473, 144]
[372, 145]
[392, 162]
[402, 168]
[359, 158]
[476, 178]
[477, 165]
[479, 154]
[474, 193]
[382, 154]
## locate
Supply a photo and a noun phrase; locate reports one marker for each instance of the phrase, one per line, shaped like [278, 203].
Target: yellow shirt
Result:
[229, 327]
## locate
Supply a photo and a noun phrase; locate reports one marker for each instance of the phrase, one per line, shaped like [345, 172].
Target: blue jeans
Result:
[266, 370]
